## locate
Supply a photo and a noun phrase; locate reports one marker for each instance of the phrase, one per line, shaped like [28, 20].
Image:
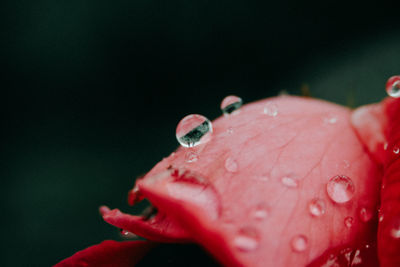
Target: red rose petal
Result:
[109, 254]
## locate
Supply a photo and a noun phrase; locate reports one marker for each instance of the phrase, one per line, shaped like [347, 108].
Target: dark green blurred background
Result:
[92, 92]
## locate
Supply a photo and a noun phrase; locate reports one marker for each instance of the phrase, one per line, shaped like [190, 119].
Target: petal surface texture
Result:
[281, 182]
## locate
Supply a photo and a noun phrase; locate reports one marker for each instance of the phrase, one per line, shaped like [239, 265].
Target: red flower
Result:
[286, 181]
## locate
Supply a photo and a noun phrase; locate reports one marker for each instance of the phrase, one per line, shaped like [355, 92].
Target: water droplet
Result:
[260, 212]
[262, 177]
[381, 217]
[247, 239]
[346, 164]
[393, 86]
[395, 231]
[193, 130]
[231, 165]
[288, 181]
[330, 120]
[230, 104]
[299, 243]
[366, 214]
[340, 189]
[271, 109]
[385, 146]
[229, 130]
[127, 234]
[316, 207]
[396, 150]
[348, 222]
[191, 156]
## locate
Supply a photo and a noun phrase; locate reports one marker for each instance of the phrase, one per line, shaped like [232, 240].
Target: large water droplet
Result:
[231, 165]
[193, 130]
[289, 181]
[271, 109]
[340, 189]
[393, 86]
[299, 243]
[316, 207]
[247, 239]
[366, 214]
[191, 156]
[260, 212]
[230, 104]
[348, 222]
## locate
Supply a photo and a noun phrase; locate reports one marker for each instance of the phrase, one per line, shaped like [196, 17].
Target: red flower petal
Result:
[160, 228]
[270, 166]
[109, 254]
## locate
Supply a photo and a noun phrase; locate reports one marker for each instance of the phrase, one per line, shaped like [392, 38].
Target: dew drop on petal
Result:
[348, 222]
[396, 150]
[231, 165]
[230, 130]
[393, 86]
[193, 130]
[316, 207]
[366, 214]
[127, 234]
[340, 189]
[271, 109]
[290, 182]
[230, 104]
[395, 230]
[260, 212]
[247, 239]
[299, 243]
[381, 217]
[191, 156]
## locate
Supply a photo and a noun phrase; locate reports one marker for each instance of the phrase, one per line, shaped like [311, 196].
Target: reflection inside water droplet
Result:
[193, 130]
[340, 189]
[231, 104]
[299, 243]
[316, 207]
[247, 239]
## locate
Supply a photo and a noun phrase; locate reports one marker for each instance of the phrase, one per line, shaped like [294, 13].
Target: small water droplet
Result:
[381, 217]
[299, 243]
[262, 177]
[340, 189]
[247, 239]
[396, 150]
[395, 231]
[330, 120]
[193, 130]
[393, 86]
[385, 146]
[191, 156]
[348, 222]
[271, 109]
[366, 214]
[316, 207]
[231, 165]
[127, 234]
[288, 181]
[346, 164]
[231, 104]
[230, 130]
[260, 212]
